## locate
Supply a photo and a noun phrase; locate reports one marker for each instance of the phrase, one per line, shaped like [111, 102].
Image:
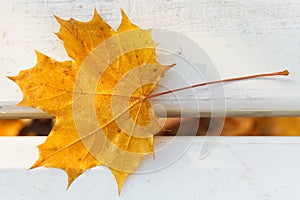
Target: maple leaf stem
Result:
[281, 73]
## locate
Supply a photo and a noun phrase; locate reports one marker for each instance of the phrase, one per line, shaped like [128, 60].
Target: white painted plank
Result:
[240, 37]
[238, 168]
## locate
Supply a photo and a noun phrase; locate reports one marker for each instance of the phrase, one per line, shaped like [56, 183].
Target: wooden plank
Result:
[20, 112]
[240, 38]
[237, 168]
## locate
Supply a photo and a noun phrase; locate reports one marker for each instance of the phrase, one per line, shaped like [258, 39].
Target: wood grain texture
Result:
[240, 37]
[237, 168]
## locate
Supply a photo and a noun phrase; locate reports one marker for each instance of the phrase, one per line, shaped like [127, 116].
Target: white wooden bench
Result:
[240, 37]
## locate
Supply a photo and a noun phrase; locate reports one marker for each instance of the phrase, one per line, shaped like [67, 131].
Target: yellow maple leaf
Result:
[99, 98]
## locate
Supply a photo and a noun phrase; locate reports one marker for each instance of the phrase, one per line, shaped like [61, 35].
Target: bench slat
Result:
[19, 112]
[237, 168]
[240, 37]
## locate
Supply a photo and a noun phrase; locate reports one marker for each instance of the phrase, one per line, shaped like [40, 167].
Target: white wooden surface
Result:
[241, 38]
[257, 168]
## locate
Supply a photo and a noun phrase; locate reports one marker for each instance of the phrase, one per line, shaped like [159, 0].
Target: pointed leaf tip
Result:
[126, 24]
[97, 16]
[13, 78]
[35, 165]
[40, 56]
[32, 167]
[123, 13]
[59, 20]
[124, 16]
[96, 12]
[170, 66]
[37, 53]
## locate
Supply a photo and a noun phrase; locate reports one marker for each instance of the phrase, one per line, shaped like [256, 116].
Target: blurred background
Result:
[234, 126]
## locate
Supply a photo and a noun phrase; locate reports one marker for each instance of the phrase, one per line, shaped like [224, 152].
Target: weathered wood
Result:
[237, 168]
